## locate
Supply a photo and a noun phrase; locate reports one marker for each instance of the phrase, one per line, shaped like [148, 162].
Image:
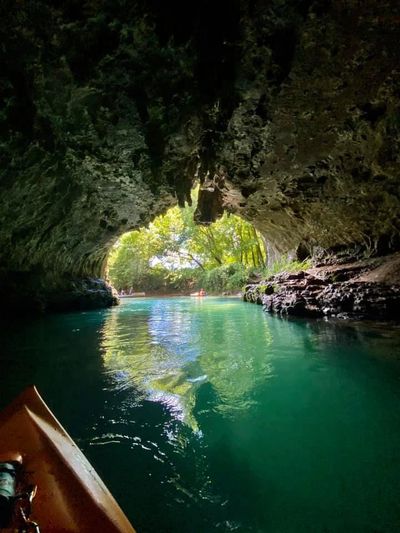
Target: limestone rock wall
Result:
[287, 111]
[310, 153]
[366, 289]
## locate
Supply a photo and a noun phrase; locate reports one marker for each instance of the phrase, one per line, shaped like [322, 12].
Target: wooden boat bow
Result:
[71, 497]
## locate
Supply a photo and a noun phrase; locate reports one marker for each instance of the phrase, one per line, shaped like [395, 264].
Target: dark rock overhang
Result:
[287, 112]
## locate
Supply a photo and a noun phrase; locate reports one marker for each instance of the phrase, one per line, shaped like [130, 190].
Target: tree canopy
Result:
[175, 252]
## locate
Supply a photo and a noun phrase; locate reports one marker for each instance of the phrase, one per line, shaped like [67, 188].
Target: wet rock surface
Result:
[336, 293]
[30, 293]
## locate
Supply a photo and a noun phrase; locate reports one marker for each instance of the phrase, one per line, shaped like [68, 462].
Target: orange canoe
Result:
[70, 495]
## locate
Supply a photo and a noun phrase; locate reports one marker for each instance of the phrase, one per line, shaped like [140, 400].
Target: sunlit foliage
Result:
[173, 252]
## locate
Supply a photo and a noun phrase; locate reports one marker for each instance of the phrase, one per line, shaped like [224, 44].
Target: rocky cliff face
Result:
[369, 288]
[287, 111]
[311, 152]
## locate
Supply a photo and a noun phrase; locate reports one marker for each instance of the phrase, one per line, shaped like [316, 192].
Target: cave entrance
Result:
[175, 255]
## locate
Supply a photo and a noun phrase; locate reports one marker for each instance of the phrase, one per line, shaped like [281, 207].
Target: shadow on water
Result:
[208, 415]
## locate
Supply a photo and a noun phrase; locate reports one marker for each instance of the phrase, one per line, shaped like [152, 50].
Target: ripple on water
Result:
[211, 416]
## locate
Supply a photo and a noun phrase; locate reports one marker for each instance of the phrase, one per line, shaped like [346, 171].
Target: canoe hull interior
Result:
[71, 496]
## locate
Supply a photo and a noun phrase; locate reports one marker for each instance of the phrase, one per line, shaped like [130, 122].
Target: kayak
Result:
[70, 496]
[133, 295]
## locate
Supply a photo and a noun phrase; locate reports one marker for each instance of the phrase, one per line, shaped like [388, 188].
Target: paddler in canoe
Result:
[201, 292]
[46, 483]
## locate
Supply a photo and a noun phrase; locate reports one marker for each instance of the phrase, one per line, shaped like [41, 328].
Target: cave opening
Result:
[174, 254]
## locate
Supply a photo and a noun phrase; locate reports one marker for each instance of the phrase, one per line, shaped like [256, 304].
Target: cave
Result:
[200, 412]
[287, 112]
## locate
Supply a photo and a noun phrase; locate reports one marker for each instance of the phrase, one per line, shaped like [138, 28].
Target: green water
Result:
[209, 416]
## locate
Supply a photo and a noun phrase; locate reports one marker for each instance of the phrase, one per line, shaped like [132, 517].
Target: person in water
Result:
[202, 292]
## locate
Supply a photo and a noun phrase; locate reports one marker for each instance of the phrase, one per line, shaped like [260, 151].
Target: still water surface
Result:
[209, 416]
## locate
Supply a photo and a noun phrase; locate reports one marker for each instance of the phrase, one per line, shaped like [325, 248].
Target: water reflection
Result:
[167, 349]
[316, 451]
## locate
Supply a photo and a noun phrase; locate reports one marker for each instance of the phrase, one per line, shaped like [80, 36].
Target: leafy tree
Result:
[174, 252]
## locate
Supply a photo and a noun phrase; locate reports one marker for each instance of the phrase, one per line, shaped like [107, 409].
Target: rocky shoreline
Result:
[368, 289]
[24, 294]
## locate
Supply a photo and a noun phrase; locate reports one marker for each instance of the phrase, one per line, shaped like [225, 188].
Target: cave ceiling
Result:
[288, 112]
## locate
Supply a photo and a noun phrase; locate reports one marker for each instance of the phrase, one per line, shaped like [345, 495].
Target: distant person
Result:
[202, 292]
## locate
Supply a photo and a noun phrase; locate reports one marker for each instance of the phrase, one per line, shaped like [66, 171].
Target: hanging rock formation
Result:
[287, 111]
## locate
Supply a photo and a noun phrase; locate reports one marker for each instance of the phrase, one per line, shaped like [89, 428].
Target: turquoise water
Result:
[206, 415]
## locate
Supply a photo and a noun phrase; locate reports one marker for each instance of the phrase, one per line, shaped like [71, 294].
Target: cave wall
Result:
[287, 111]
[310, 154]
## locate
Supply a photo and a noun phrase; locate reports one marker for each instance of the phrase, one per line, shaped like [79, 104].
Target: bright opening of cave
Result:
[173, 254]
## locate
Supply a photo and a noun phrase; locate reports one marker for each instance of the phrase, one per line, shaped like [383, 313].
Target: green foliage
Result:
[224, 278]
[284, 264]
[173, 253]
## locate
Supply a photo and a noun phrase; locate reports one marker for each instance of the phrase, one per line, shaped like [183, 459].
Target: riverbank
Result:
[226, 294]
[366, 289]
